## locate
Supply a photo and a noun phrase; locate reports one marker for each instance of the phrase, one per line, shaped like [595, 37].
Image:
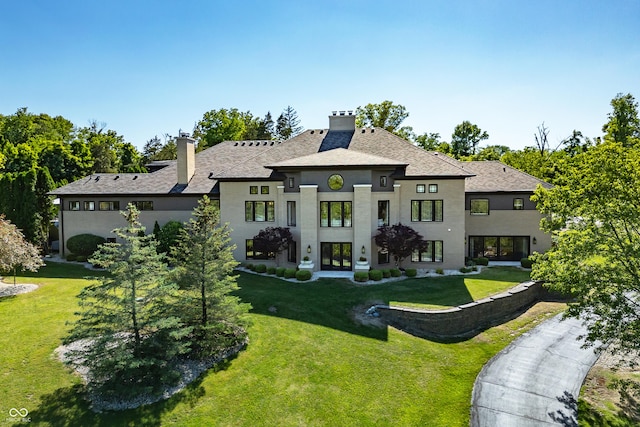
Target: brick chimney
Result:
[185, 147]
[342, 120]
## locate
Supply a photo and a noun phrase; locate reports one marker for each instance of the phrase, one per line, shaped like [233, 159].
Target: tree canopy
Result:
[399, 240]
[465, 139]
[273, 240]
[386, 115]
[15, 250]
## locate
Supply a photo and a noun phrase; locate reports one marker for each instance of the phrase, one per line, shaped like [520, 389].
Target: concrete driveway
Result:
[536, 380]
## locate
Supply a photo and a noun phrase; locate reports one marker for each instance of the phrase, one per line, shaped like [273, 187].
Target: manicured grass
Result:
[309, 363]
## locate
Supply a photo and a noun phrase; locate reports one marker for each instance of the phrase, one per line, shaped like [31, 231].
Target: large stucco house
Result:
[333, 188]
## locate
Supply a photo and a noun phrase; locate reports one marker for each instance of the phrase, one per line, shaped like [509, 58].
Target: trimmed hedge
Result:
[411, 272]
[72, 257]
[271, 270]
[289, 273]
[84, 244]
[361, 276]
[395, 272]
[481, 261]
[280, 271]
[526, 262]
[439, 271]
[465, 270]
[261, 268]
[375, 275]
[303, 275]
[386, 273]
[81, 258]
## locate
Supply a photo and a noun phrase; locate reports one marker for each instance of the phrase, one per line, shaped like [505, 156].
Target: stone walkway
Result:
[536, 380]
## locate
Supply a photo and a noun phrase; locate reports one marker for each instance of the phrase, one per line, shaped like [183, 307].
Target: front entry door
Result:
[336, 256]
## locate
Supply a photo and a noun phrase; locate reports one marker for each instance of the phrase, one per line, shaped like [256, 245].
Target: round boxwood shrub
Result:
[439, 271]
[526, 262]
[81, 258]
[250, 267]
[375, 275]
[465, 270]
[289, 273]
[261, 268]
[271, 270]
[411, 272]
[280, 271]
[361, 276]
[72, 257]
[395, 272]
[386, 273]
[84, 244]
[303, 275]
[481, 261]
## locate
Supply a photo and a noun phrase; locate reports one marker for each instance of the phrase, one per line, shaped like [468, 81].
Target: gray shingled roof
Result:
[252, 159]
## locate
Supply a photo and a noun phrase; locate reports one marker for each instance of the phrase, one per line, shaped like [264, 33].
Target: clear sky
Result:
[151, 67]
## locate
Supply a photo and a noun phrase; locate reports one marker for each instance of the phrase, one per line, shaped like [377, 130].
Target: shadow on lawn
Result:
[334, 303]
[66, 407]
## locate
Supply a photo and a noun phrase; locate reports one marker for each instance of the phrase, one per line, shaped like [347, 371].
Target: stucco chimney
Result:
[185, 147]
[341, 120]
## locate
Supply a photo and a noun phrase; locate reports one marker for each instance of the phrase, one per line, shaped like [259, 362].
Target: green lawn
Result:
[308, 363]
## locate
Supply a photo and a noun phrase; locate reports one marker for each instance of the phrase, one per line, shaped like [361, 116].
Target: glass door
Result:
[335, 256]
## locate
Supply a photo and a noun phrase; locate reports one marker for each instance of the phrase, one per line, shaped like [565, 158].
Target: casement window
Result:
[335, 214]
[383, 181]
[518, 204]
[383, 257]
[433, 188]
[109, 206]
[253, 189]
[264, 189]
[420, 188]
[432, 253]
[292, 182]
[291, 214]
[74, 205]
[479, 206]
[251, 253]
[426, 210]
[292, 252]
[383, 212]
[146, 205]
[89, 206]
[259, 211]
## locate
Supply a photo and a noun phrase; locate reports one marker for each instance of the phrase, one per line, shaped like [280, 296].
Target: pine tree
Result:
[288, 124]
[204, 264]
[125, 318]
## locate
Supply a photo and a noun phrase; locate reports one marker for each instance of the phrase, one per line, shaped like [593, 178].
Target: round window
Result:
[336, 182]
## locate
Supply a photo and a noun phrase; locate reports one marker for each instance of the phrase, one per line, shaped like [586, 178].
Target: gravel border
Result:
[190, 370]
[7, 290]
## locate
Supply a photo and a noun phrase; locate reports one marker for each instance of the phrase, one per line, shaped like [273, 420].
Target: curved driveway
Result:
[536, 380]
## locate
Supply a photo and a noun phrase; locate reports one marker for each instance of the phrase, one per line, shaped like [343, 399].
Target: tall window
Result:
[291, 214]
[426, 210]
[335, 214]
[89, 206]
[383, 212]
[250, 253]
[292, 252]
[479, 206]
[109, 206]
[383, 181]
[259, 211]
[518, 204]
[292, 182]
[432, 253]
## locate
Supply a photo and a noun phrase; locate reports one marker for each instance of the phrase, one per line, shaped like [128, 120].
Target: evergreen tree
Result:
[125, 318]
[204, 264]
[288, 124]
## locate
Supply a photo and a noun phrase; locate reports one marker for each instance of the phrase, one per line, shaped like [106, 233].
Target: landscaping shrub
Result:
[271, 270]
[439, 271]
[280, 271]
[375, 275]
[81, 258]
[303, 275]
[526, 262]
[72, 257]
[289, 273]
[84, 244]
[261, 268]
[465, 270]
[411, 272]
[396, 272]
[474, 268]
[481, 261]
[250, 266]
[386, 273]
[361, 276]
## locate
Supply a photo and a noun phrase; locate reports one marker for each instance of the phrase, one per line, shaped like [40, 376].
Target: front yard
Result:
[308, 361]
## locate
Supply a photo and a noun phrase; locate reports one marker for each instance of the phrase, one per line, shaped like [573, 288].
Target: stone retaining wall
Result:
[466, 319]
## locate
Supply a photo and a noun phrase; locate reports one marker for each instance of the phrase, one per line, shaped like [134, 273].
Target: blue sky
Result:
[147, 68]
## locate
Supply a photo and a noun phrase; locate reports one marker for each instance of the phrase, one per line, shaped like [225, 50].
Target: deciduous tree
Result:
[465, 139]
[220, 125]
[386, 115]
[399, 240]
[273, 240]
[15, 251]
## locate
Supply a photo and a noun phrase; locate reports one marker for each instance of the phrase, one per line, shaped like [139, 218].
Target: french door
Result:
[336, 256]
[499, 248]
